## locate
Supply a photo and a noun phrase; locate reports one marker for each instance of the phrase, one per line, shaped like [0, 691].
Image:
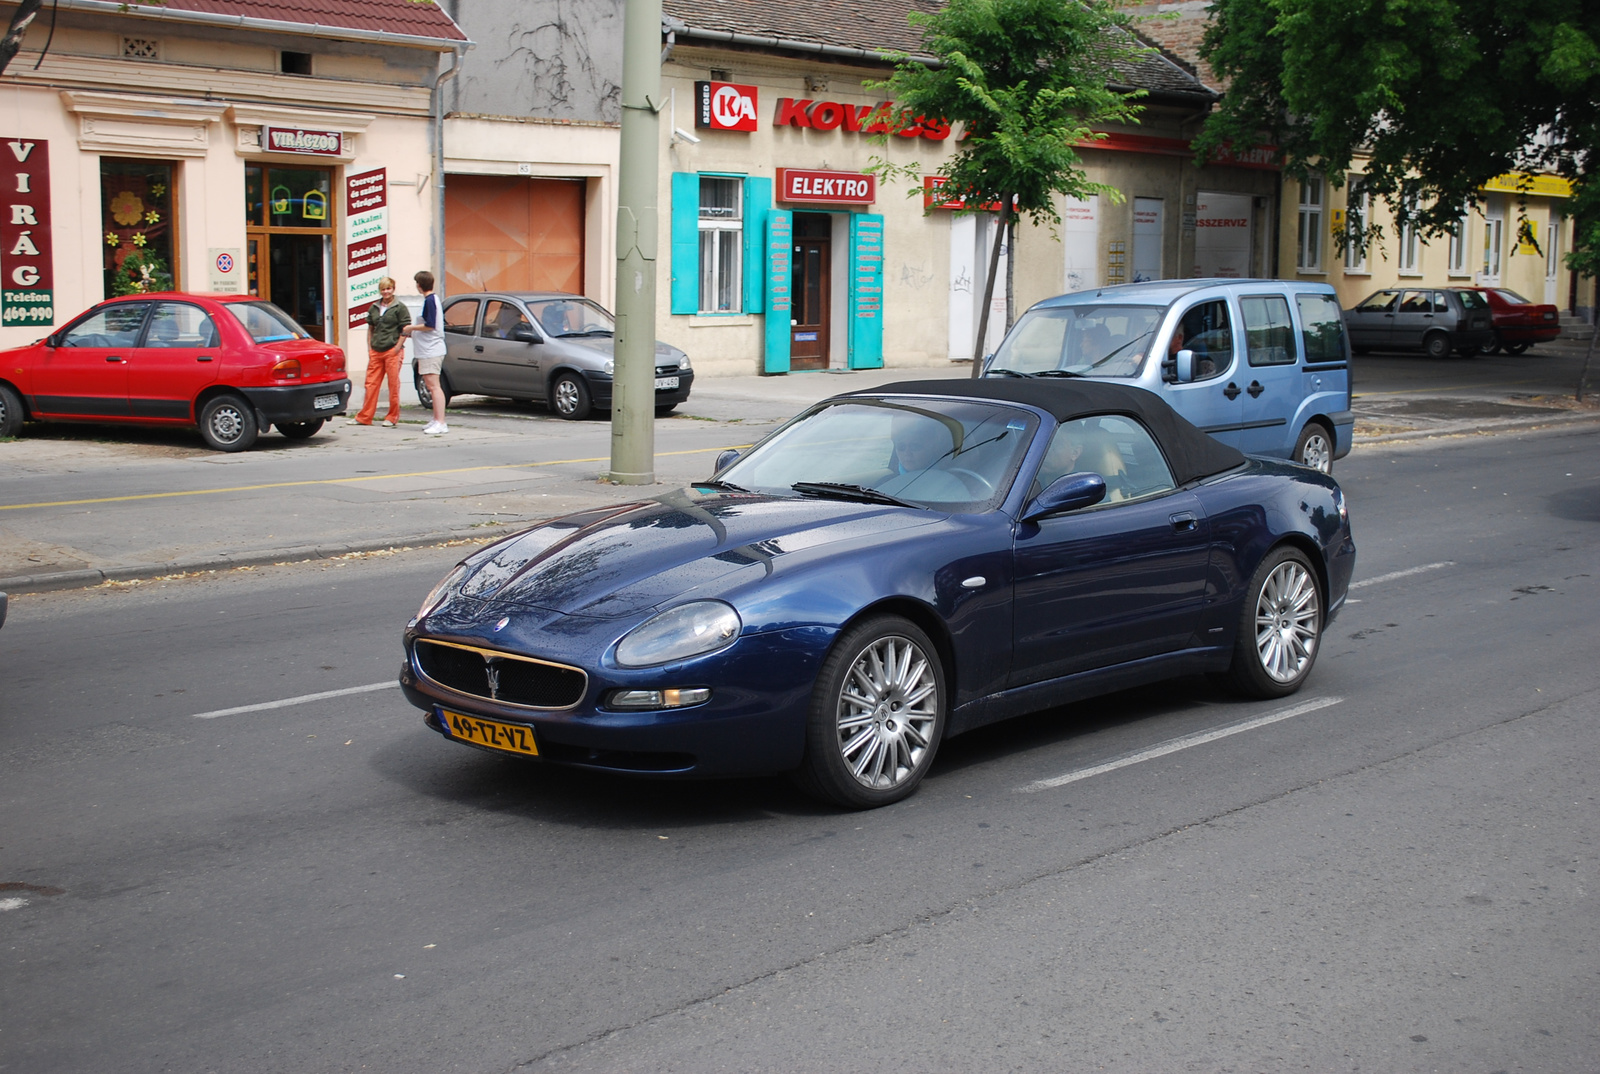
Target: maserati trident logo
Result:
[494, 682]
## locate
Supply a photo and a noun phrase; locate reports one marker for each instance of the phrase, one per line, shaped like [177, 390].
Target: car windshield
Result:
[1100, 341]
[571, 317]
[265, 322]
[945, 454]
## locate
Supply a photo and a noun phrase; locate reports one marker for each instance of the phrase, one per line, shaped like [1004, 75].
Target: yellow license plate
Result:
[510, 737]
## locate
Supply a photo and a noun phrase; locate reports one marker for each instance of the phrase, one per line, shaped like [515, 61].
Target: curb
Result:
[83, 579]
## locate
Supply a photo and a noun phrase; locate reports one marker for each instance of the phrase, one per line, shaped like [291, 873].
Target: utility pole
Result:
[633, 431]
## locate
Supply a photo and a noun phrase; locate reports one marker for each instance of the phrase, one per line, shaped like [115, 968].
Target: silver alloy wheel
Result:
[1317, 452]
[1288, 619]
[887, 711]
[227, 423]
[566, 396]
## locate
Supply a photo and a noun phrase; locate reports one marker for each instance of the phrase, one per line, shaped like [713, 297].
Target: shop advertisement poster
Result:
[366, 225]
[27, 283]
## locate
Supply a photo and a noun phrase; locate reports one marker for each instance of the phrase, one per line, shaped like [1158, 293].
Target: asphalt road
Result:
[1394, 872]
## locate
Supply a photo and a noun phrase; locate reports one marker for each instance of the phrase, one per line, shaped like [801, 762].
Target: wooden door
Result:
[813, 291]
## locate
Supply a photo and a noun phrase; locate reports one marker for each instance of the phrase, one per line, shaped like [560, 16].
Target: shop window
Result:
[721, 244]
[138, 225]
[289, 233]
[1308, 240]
[1458, 245]
[1358, 206]
[1410, 243]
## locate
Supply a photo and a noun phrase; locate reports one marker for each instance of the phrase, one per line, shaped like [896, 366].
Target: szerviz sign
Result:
[826, 188]
[26, 279]
[724, 106]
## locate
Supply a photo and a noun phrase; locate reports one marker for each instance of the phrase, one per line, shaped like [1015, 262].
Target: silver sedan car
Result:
[542, 346]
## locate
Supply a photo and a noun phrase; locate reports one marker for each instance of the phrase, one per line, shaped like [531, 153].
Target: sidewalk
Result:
[77, 510]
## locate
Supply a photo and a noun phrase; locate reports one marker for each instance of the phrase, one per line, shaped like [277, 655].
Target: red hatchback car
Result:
[1518, 323]
[231, 364]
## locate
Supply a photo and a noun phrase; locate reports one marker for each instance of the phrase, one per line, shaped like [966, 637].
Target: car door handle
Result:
[478, 348]
[1183, 522]
[1231, 391]
[204, 358]
[1255, 389]
[112, 358]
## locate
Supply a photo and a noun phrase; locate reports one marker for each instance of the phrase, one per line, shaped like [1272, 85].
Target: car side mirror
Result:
[1184, 362]
[52, 340]
[1068, 493]
[725, 459]
[524, 333]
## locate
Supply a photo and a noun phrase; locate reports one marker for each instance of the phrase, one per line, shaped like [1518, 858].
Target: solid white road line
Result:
[302, 699]
[1391, 576]
[1199, 738]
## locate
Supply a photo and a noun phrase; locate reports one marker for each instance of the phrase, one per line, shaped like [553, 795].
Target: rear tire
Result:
[228, 423]
[300, 430]
[1436, 345]
[1280, 626]
[11, 413]
[1515, 348]
[425, 397]
[877, 715]
[1493, 346]
[1314, 448]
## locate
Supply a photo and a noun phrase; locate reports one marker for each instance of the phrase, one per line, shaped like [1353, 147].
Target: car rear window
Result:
[1472, 300]
[265, 322]
[1511, 296]
[1321, 328]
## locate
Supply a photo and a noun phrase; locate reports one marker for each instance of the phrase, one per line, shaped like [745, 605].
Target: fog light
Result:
[675, 698]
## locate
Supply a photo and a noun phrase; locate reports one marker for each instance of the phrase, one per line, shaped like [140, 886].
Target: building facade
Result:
[279, 148]
[785, 253]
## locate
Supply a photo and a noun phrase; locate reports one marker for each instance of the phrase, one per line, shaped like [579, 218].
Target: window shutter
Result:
[685, 242]
[757, 203]
[866, 291]
[779, 260]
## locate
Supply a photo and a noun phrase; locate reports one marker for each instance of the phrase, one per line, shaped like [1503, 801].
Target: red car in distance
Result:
[1518, 323]
[230, 364]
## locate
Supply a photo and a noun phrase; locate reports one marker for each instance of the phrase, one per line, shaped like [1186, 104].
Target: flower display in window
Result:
[126, 207]
[152, 217]
[139, 239]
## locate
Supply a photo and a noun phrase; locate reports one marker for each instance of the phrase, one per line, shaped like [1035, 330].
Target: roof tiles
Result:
[412, 18]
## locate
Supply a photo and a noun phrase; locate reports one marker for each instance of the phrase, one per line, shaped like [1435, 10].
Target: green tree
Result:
[1027, 81]
[1438, 95]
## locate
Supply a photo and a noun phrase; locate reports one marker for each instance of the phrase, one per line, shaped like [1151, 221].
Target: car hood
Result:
[604, 346]
[621, 561]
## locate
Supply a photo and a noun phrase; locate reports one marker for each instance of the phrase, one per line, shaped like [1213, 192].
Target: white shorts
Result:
[430, 365]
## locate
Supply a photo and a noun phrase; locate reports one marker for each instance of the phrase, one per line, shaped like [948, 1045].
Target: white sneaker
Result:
[387, 424]
[435, 428]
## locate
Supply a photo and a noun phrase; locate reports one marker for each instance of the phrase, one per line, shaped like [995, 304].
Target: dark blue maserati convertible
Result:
[887, 569]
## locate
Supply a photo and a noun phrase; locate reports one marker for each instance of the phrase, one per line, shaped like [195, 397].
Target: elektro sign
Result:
[724, 106]
[826, 188]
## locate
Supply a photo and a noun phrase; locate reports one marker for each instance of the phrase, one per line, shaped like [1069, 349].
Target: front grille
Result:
[502, 677]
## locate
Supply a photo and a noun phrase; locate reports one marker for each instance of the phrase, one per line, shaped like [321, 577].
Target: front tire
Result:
[1280, 626]
[300, 430]
[11, 413]
[1515, 348]
[228, 423]
[877, 715]
[1314, 448]
[1436, 345]
[570, 398]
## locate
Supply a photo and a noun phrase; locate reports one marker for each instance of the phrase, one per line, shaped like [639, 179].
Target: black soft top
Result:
[1191, 453]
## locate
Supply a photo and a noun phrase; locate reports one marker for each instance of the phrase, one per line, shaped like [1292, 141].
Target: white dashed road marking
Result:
[302, 699]
[1392, 575]
[1199, 738]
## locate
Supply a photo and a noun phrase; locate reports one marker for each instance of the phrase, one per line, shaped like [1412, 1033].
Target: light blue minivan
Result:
[1263, 365]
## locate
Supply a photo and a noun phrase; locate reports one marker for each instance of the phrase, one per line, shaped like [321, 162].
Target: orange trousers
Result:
[381, 364]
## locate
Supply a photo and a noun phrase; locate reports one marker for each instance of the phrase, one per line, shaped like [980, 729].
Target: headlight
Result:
[610, 367]
[683, 362]
[678, 633]
[442, 590]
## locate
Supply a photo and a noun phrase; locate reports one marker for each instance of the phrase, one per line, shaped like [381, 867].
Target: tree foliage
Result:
[1438, 95]
[1027, 81]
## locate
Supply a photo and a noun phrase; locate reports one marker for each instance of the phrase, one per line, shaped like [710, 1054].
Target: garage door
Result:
[508, 233]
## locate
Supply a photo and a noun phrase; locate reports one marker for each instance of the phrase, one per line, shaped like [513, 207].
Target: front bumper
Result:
[754, 723]
[600, 387]
[298, 403]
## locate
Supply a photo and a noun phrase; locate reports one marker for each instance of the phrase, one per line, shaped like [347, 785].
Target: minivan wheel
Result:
[1314, 448]
[569, 397]
[1436, 345]
[228, 423]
